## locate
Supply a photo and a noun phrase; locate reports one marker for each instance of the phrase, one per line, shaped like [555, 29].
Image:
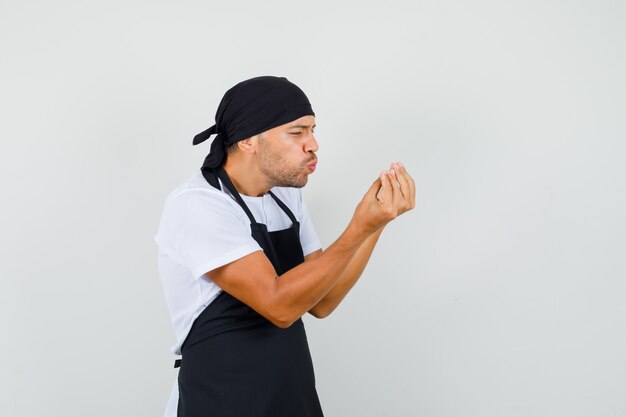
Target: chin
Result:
[294, 184]
[302, 182]
[290, 181]
[298, 184]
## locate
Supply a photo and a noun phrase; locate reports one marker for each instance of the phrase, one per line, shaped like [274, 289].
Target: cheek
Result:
[289, 151]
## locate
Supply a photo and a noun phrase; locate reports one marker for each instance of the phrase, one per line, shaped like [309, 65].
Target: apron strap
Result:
[229, 185]
[284, 207]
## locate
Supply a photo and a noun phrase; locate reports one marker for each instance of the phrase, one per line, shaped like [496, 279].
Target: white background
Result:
[501, 294]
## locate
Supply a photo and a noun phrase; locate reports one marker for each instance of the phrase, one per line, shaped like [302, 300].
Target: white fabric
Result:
[203, 228]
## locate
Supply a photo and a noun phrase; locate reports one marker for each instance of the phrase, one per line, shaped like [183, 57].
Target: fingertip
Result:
[383, 178]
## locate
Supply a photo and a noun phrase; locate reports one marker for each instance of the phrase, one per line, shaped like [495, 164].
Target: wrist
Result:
[358, 232]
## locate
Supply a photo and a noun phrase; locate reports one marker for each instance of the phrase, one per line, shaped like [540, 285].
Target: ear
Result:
[248, 145]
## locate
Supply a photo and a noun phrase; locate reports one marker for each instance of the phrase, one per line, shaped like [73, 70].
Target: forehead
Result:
[302, 122]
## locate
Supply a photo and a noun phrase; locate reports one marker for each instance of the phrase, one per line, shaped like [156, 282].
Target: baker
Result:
[240, 261]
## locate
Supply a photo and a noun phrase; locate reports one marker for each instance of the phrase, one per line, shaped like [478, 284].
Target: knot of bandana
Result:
[252, 107]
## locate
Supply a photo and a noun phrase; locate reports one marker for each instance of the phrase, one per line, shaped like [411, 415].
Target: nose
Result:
[311, 145]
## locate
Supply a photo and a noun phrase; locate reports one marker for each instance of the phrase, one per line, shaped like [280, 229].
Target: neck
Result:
[246, 177]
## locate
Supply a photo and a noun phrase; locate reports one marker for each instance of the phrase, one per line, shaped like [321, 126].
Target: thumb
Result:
[376, 186]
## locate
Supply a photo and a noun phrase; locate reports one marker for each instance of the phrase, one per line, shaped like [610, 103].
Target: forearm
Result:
[302, 287]
[348, 278]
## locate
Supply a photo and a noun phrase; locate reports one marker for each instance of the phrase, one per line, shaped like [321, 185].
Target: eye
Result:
[296, 133]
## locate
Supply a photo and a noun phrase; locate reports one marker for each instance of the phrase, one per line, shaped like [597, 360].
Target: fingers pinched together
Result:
[403, 193]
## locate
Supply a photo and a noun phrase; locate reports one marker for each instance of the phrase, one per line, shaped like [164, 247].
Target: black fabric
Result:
[236, 362]
[252, 107]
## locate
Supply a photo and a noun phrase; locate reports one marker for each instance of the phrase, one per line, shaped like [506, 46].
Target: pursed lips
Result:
[312, 165]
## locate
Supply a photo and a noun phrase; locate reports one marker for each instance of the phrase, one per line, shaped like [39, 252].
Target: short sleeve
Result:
[308, 237]
[204, 231]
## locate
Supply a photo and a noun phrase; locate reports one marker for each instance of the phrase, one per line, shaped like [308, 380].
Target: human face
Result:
[286, 153]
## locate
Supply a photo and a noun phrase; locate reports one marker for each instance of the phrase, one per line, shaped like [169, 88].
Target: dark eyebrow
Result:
[301, 126]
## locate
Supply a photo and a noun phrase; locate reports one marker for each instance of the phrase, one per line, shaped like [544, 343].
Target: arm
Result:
[283, 300]
[357, 264]
[349, 277]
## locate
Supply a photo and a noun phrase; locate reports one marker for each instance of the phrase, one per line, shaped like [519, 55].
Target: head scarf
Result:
[252, 107]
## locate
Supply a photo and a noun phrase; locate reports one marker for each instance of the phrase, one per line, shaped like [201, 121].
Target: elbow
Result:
[281, 314]
[319, 313]
[283, 323]
[282, 320]
[287, 319]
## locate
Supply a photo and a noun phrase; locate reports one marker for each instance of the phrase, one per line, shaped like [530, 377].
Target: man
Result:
[241, 263]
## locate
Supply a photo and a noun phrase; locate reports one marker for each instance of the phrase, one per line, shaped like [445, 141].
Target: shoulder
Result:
[195, 204]
[195, 193]
[194, 211]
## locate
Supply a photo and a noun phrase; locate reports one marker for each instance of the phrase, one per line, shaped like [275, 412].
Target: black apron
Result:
[236, 362]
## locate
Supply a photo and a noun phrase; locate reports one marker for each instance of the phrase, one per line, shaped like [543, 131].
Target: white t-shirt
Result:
[203, 228]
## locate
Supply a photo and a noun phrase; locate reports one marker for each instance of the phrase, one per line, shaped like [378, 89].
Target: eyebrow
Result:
[301, 126]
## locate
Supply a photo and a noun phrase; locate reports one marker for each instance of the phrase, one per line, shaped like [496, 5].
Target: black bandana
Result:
[252, 107]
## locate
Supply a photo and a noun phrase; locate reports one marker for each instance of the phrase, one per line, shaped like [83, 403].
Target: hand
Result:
[373, 213]
[406, 201]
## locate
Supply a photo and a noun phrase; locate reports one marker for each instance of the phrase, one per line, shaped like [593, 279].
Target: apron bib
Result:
[236, 362]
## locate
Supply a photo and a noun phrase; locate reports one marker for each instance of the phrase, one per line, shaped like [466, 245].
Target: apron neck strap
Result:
[212, 175]
[284, 207]
[229, 185]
